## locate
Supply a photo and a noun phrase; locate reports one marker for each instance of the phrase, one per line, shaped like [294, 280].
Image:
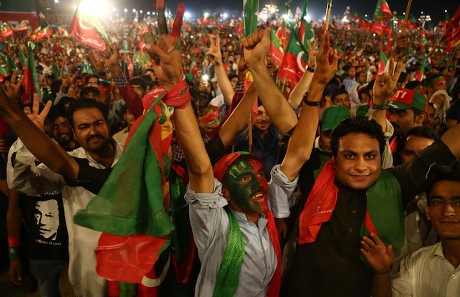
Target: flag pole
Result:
[328, 13]
[250, 133]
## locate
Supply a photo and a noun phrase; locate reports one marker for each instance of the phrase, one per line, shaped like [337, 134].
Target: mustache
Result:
[95, 136]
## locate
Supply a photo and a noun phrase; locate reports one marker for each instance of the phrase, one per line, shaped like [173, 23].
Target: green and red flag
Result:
[305, 29]
[46, 32]
[421, 71]
[5, 30]
[250, 9]
[453, 31]
[276, 50]
[22, 26]
[86, 68]
[294, 62]
[88, 30]
[382, 10]
[29, 71]
[382, 63]
[134, 219]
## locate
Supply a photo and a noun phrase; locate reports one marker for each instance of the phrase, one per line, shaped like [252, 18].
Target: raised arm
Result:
[38, 143]
[295, 98]
[238, 118]
[384, 87]
[302, 140]
[166, 54]
[281, 113]
[222, 78]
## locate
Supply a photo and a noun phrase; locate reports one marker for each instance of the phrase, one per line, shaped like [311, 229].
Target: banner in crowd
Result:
[16, 12]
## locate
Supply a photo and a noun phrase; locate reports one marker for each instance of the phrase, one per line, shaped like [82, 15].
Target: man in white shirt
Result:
[430, 271]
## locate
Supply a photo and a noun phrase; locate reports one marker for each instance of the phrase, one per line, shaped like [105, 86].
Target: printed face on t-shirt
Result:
[47, 218]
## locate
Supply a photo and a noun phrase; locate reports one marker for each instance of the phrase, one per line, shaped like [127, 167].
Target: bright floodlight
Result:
[187, 15]
[225, 15]
[148, 12]
[94, 8]
[134, 10]
[206, 14]
[56, 1]
[126, 10]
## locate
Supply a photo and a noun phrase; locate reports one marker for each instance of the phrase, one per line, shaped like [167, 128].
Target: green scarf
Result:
[228, 276]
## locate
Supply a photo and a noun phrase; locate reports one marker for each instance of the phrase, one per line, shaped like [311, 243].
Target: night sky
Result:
[316, 7]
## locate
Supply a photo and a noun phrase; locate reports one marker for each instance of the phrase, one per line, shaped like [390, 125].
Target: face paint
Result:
[245, 180]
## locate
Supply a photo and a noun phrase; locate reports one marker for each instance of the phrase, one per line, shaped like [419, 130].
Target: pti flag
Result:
[453, 31]
[294, 61]
[88, 30]
[276, 50]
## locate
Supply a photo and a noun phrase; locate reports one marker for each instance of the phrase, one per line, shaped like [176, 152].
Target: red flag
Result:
[88, 31]
[453, 31]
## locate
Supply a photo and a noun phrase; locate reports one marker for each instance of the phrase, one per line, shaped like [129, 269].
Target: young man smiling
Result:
[352, 197]
[432, 270]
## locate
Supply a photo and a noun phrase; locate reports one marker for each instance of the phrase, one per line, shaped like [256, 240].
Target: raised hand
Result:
[256, 47]
[111, 57]
[214, 50]
[13, 87]
[312, 53]
[326, 60]
[166, 53]
[379, 256]
[385, 84]
[67, 81]
[38, 118]
[96, 61]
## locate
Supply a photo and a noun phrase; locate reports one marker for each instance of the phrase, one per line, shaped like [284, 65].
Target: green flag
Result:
[251, 9]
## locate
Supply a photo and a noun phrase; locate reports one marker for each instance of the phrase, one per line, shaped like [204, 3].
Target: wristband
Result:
[14, 243]
[310, 69]
[14, 253]
[179, 96]
[310, 103]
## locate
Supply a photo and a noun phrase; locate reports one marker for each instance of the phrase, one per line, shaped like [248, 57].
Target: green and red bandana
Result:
[220, 168]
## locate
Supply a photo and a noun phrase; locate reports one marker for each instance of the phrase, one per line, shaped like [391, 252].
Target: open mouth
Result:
[258, 197]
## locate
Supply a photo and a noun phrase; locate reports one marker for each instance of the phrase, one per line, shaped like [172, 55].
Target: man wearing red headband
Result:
[231, 206]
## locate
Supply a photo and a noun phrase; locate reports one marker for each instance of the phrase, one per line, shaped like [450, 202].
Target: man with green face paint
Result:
[232, 207]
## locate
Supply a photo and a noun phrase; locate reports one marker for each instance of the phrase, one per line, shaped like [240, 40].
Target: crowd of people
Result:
[186, 167]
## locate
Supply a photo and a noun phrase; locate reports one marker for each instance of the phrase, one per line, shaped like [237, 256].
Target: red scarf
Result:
[320, 206]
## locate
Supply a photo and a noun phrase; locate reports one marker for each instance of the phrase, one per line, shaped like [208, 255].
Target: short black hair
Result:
[421, 131]
[441, 173]
[138, 81]
[357, 125]
[88, 76]
[87, 90]
[87, 103]
[337, 92]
